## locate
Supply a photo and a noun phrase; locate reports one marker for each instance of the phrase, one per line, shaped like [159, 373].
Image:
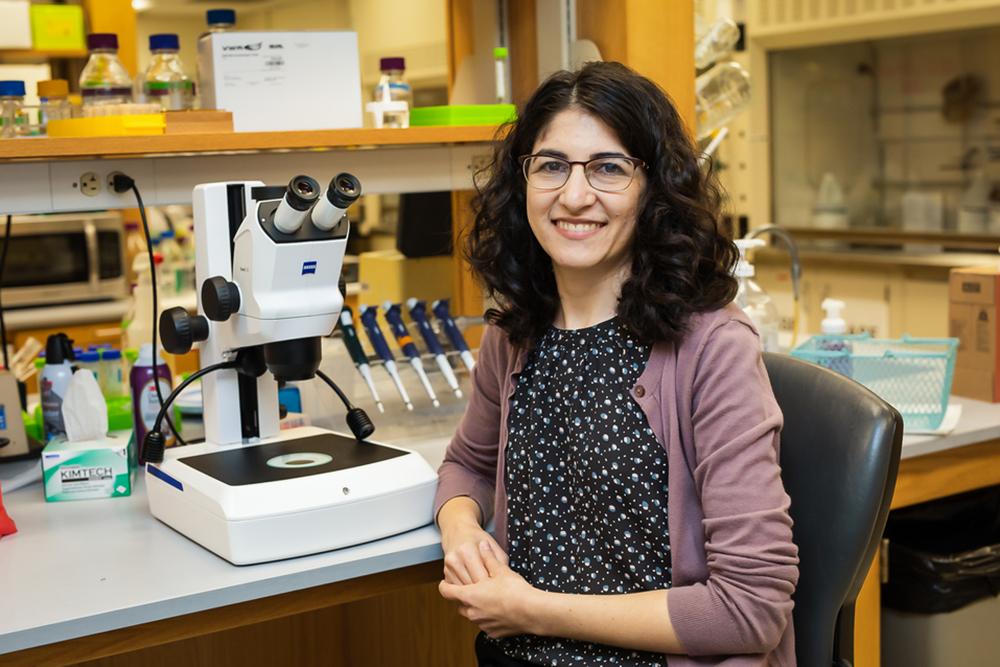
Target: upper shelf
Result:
[34, 55]
[56, 148]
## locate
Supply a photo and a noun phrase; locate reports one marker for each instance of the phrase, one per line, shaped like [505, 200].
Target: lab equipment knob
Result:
[220, 298]
[179, 331]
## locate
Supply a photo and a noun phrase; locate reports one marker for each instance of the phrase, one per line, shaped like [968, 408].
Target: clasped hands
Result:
[490, 594]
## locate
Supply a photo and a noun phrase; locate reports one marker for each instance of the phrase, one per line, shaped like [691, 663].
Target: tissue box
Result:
[88, 469]
[274, 81]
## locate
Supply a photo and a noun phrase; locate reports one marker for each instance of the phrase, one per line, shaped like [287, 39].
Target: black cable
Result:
[333, 385]
[357, 419]
[3, 263]
[154, 437]
[121, 183]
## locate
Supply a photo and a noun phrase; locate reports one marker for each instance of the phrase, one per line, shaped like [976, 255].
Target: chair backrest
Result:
[840, 448]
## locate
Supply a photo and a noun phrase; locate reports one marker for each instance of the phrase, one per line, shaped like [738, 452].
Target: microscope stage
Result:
[303, 491]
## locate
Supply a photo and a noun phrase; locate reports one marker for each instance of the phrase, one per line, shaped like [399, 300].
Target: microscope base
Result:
[304, 491]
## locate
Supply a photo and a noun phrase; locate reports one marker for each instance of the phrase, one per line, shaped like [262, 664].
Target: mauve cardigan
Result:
[709, 403]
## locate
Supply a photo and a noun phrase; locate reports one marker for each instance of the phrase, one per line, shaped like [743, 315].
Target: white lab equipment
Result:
[753, 300]
[251, 493]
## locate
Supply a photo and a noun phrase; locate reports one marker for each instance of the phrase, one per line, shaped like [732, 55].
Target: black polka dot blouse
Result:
[586, 483]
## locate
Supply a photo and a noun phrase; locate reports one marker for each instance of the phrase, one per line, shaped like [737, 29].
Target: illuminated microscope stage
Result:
[303, 491]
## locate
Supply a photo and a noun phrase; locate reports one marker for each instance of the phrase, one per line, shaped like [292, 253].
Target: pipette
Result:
[418, 312]
[375, 337]
[440, 308]
[394, 316]
[357, 353]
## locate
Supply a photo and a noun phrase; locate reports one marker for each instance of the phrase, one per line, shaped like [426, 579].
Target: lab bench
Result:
[89, 580]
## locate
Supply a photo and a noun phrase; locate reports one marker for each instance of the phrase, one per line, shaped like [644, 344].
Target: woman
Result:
[622, 432]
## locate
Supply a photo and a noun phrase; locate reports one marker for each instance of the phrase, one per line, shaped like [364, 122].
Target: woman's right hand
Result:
[460, 538]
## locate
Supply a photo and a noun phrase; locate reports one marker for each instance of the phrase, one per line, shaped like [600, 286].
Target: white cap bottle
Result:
[833, 323]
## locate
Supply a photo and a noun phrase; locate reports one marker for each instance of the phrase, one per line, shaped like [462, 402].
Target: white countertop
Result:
[80, 568]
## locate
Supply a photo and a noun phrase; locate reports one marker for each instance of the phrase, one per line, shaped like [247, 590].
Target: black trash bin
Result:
[944, 554]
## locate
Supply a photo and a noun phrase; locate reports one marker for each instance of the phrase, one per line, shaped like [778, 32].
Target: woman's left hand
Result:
[499, 604]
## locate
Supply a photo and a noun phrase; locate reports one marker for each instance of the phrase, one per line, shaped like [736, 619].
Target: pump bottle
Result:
[833, 327]
[754, 300]
[54, 382]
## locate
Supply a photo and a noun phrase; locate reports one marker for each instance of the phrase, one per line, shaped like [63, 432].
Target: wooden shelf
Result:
[32, 55]
[45, 148]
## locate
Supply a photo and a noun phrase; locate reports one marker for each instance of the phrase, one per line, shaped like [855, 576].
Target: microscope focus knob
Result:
[179, 331]
[220, 298]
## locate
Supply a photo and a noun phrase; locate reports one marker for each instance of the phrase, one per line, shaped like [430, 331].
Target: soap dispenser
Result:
[753, 300]
[833, 328]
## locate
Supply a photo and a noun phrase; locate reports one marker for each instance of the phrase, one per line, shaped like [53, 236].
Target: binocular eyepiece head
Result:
[303, 197]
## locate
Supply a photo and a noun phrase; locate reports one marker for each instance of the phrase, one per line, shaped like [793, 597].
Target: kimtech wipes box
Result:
[88, 469]
[274, 81]
[973, 307]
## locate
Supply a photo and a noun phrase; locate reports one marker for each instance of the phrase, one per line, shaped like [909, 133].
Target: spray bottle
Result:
[54, 382]
[754, 300]
[833, 327]
[145, 401]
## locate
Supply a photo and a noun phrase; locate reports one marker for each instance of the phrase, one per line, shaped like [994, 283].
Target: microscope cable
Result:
[122, 183]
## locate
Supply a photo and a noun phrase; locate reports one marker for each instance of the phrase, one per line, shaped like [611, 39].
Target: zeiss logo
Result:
[308, 268]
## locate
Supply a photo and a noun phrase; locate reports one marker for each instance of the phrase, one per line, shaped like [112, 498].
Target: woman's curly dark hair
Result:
[681, 262]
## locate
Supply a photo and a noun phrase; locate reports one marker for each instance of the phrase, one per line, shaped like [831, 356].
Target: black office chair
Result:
[840, 449]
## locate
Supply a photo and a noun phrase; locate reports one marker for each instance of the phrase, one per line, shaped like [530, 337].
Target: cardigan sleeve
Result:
[745, 604]
[470, 462]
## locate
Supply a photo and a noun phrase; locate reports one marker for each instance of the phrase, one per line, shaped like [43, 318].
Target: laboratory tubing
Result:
[54, 382]
[13, 118]
[104, 80]
[369, 318]
[441, 311]
[54, 102]
[500, 74]
[353, 344]
[418, 312]
[394, 316]
[145, 402]
[164, 82]
[392, 87]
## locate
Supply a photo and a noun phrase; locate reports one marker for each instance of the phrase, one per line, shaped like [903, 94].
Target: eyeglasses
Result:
[607, 174]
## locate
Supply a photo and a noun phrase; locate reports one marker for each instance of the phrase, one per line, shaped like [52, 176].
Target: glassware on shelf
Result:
[13, 117]
[164, 81]
[721, 94]
[104, 80]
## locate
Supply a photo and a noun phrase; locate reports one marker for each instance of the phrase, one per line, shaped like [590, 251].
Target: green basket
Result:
[463, 114]
[912, 374]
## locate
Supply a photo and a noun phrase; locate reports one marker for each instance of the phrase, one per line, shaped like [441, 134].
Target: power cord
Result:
[3, 263]
[122, 183]
[357, 419]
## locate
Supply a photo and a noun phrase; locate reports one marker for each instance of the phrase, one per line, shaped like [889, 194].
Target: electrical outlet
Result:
[83, 185]
[111, 180]
[89, 184]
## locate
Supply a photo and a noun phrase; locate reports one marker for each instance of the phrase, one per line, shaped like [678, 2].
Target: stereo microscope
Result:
[268, 260]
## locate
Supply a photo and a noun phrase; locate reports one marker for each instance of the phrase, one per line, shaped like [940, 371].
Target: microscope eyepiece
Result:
[300, 196]
[344, 190]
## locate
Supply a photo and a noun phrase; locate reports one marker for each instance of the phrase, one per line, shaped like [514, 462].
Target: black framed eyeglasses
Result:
[607, 174]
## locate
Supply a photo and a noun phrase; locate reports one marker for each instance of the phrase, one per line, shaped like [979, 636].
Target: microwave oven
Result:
[65, 258]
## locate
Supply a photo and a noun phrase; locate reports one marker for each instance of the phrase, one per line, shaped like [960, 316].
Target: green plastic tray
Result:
[463, 114]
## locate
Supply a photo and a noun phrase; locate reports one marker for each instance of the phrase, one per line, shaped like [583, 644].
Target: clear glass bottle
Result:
[164, 81]
[220, 20]
[392, 87]
[721, 94]
[13, 118]
[717, 41]
[104, 80]
[53, 103]
[754, 301]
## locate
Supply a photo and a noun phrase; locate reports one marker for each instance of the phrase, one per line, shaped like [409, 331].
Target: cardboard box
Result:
[973, 307]
[279, 81]
[89, 469]
[15, 24]
[389, 276]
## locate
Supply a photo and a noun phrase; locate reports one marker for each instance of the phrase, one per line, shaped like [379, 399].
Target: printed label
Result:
[51, 411]
[3, 417]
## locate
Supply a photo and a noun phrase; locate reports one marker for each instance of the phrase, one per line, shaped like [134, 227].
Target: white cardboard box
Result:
[274, 81]
[15, 24]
